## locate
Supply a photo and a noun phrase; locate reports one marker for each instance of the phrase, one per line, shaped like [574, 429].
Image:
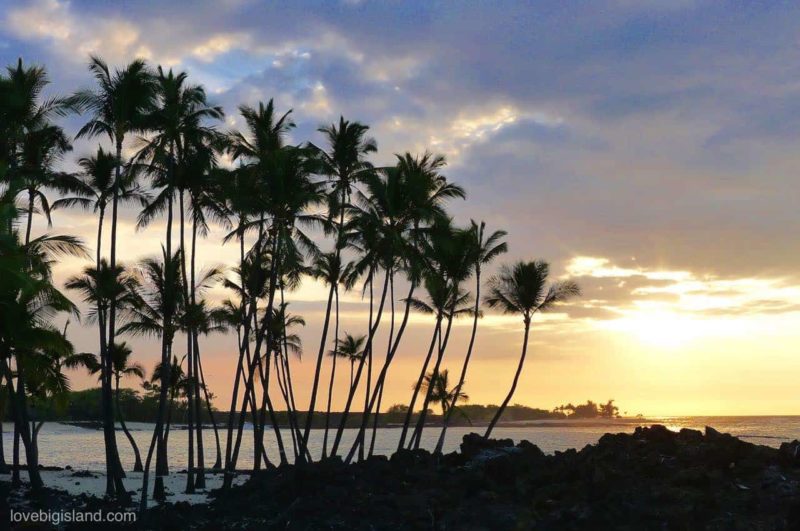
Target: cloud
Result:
[672, 307]
[53, 21]
[661, 130]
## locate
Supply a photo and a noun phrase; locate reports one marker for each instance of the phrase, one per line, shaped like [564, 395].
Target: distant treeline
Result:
[85, 405]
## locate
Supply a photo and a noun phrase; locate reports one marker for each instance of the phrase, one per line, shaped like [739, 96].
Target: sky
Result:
[646, 149]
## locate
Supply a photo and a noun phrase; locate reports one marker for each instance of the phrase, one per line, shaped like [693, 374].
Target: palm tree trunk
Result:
[21, 424]
[242, 341]
[170, 407]
[3, 464]
[137, 467]
[114, 470]
[407, 422]
[30, 217]
[360, 369]
[417, 436]
[367, 408]
[259, 416]
[369, 362]
[200, 476]
[15, 479]
[190, 487]
[166, 342]
[503, 406]
[323, 339]
[218, 462]
[280, 377]
[262, 337]
[377, 393]
[457, 391]
[291, 410]
[266, 400]
[333, 375]
[320, 355]
[290, 390]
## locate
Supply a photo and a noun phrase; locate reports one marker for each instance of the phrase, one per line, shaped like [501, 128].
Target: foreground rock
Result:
[651, 479]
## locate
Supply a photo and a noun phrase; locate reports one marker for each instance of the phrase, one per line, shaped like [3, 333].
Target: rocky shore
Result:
[651, 479]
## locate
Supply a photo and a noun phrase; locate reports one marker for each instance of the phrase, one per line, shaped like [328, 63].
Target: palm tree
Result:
[329, 268]
[285, 193]
[256, 152]
[96, 188]
[41, 150]
[390, 222]
[482, 250]
[25, 121]
[118, 107]
[157, 314]
[176, 381]
[122, 367]
[28, 300]
[344, 164]
[283, 343]
[350, 348]
[201, 181]
[437, 384]
[445, 249]
[523, 289]
[172, 155]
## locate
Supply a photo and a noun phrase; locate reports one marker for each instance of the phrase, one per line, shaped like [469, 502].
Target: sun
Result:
[660, 328]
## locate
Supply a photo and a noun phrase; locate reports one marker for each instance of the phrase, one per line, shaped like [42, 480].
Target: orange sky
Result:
[648, 150]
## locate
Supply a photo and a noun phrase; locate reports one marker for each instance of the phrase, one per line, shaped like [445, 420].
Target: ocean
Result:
[82, 448]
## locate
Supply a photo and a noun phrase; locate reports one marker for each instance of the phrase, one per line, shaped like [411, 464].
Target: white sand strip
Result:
[175, 484]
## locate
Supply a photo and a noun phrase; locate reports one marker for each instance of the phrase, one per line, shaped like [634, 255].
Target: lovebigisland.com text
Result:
[57, 518]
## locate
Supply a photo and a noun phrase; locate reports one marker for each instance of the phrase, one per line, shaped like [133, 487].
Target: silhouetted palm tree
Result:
[122, 367]
[438, 385]
[118, 108]
[157, 314]
[286, 192]
[389, 225]
[523, 289]
[28, 300]
[177, 383]
[345, 165]
[482, 250]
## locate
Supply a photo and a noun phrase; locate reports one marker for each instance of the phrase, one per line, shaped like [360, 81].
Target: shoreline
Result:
[652, 478]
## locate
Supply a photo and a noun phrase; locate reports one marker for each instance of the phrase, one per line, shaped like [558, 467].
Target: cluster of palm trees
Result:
[293, 211]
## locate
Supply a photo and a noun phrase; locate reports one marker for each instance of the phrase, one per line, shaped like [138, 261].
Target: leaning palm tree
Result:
[523, 289]
[482, 250]
[447, 249]
[276, 179]
[345, 165]
[118, 108]
[287, 193]
[390, 221]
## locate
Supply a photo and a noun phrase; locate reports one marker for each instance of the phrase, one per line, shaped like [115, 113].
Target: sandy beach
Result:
[93, 483]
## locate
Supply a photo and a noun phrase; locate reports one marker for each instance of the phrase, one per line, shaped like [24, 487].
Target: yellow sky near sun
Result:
[659, 341]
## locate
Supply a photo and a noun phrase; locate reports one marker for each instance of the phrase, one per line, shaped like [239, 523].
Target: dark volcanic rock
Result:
[653, 479]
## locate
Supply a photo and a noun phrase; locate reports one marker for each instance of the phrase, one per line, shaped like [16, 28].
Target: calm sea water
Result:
[82, 448]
